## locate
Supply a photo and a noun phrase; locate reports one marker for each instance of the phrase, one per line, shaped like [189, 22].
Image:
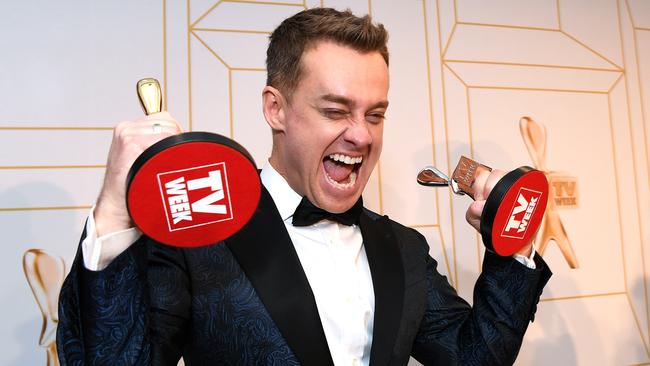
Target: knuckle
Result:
[122, 129]
[498, 173]
[126, 138]
[117, 130]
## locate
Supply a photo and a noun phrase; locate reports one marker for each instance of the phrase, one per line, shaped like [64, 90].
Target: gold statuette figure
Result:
[45, 273]
[150, 95]
[563, 189]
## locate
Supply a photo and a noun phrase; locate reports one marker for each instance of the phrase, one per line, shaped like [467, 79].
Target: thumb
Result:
[474, 212]
[163, 116]
[476, 208]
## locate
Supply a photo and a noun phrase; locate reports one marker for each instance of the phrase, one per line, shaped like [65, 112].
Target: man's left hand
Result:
[482, 186]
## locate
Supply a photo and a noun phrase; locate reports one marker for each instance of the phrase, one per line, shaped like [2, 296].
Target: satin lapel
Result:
[387, 273]
[264, 250]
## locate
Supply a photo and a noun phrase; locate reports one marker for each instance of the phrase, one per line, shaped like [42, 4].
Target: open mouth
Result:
[341, 170]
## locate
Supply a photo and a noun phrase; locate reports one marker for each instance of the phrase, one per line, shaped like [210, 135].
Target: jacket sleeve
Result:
[133, 312]
[491, 332]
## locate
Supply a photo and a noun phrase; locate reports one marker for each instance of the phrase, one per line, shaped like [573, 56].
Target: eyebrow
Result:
[334, 98]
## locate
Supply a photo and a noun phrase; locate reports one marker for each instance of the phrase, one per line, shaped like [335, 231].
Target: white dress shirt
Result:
[334, 260]
[332, 256]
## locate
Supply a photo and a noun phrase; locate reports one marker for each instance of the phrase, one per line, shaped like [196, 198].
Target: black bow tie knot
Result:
[307, 214]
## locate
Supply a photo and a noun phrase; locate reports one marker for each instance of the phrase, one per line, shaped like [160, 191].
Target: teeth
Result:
[346, 159]
[352, 179]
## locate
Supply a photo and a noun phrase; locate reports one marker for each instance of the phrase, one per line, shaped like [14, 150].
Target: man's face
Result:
[333, 125]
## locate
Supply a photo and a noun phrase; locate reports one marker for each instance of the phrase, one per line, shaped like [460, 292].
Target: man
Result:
[351, 289]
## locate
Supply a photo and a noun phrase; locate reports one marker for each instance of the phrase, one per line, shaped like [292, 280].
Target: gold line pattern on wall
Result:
[508, 26]
[620, 223]
[531, 65]
[617, 68]
[164, 32]
[576, 297]
[538, 89]
[219, 30]
[593, 51]
[45, 167]
[432, 126]
[644, 116]
[636, 189]
[230, 116]
[45, 208]
[193, 30]
[629, 111]
[189, 61]
[453, 280]
[54, 128]
[211, 50]
[302, 4]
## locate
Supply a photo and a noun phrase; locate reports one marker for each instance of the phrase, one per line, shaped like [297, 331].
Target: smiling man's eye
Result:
[375, 117]
[335, 113]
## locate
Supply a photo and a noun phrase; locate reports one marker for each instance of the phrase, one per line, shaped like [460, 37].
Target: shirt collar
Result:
[285, 198]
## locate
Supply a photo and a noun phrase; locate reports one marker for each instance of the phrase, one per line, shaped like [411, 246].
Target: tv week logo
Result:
[521, 212]
[195, 196]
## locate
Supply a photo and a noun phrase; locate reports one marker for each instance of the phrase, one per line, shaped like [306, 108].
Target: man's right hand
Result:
[130, 139]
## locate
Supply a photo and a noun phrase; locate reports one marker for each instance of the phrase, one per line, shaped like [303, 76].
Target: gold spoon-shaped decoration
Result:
[45, 274]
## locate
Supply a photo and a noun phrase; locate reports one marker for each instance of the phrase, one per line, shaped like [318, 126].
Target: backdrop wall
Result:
[463, 74]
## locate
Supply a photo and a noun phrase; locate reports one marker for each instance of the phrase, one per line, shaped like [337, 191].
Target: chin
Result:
[336, 200]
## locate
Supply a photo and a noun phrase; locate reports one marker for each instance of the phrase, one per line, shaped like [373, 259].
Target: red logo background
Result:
[198, 218]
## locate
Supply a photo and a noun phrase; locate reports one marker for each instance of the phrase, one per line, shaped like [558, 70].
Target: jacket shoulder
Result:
[407, 237]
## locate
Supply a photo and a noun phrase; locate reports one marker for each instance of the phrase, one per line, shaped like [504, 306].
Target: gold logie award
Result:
[563, 192]
[45, 274]
[150, 95]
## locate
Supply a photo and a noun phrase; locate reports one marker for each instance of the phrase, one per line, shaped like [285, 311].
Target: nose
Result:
[358, 133]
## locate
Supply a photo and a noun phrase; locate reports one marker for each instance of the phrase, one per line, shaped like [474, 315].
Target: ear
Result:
[274, 107]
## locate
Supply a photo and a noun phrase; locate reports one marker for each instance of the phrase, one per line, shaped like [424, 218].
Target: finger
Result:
[150, 121]
[160, 115]
[163, 116]
[131, 147]
[149, 127]
[144, 141]
[154, 129]
[492, 180]
[474, 212]
[479, 185]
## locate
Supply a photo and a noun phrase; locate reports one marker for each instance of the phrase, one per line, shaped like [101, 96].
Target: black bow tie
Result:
[307, 214]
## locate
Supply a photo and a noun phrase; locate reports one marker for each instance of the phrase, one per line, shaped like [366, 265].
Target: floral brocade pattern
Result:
[113, 327]
[243, 303]
[221, 321]
[232, 323]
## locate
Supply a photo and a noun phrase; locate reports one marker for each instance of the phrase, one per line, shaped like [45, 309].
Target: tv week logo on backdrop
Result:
[195, 196]
[521, 212]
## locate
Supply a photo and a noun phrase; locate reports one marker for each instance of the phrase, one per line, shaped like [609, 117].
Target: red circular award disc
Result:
[514, 210]
[193, 189]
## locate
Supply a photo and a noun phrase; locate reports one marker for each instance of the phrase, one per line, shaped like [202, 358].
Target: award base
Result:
[514, 210]
[193, 189]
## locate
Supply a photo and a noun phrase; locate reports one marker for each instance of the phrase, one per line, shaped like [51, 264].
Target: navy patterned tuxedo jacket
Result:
[247, 301]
